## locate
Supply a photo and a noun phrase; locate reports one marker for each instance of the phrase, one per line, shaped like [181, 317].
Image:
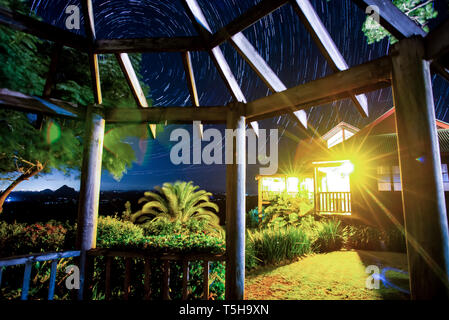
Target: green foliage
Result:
[417, 10]
[276, 245]
[286, 210]
[330, 236]
[25, 62]
[112, 232]
[181, 202]
[369, 238]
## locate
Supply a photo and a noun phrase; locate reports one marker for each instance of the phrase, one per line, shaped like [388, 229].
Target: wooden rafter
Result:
[327, 46]
[134, 84]
[191, 84]
[23, 23]
[18, 101]
[263, 70]
[180, 115]
[89, 27]
[172, 44]
[202, 26]
[245, 20]
[401, 26]
[393, 19]
[362, 78]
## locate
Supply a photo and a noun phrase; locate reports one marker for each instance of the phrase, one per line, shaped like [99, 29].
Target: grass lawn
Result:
[337, 275]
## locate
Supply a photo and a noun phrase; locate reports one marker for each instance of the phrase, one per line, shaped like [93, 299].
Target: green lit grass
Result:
[333, 276]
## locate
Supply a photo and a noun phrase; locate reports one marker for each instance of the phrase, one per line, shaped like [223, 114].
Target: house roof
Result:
[379, 145]
[341, 125]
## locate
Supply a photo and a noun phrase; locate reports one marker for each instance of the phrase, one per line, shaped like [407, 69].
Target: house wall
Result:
[378, 208]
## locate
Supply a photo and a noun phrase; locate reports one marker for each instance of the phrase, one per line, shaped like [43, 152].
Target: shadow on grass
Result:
[393, 273]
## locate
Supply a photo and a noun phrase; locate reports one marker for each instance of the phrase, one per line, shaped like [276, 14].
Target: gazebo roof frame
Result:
[406, 68]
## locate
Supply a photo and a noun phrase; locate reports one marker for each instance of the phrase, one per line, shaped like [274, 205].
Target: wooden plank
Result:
[134, 84]
[424, 206]
[264, 71]
[200, 23]
[170, 114]
[166, 280]
[107, 280]
[191, 84]
[147, 279]
[131, 78]
[172, 44]
[89, 28]
[392, 19]
[52, 283]
[90, 180]
[369, 76]
[327, 46]
[185, 279]
[21, 102]
[235, 208]
[23, 23]
[205, 280]
[26, 281]
[127, 281]
[245, 20]
[437, 41]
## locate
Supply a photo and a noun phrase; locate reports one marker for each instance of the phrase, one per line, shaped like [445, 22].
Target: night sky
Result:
[281, 40]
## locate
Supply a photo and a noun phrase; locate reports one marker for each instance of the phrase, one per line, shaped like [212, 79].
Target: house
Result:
[355, 173]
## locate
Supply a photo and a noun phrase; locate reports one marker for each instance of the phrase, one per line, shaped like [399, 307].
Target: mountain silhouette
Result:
[65, 191]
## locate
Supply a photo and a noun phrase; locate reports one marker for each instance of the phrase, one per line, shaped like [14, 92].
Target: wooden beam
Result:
[426, 226]
[437, 41]
[263, 70]
[366, 77]
[172, 44]
[327, 46]
[89, 27]
[23, 23]
[191, 84]
[134, 84]
[50, 107]
[131, 78]
[235, 207]
[245, 20]
[392, 19]
[89, 190]
[202, 26]
[180, 115]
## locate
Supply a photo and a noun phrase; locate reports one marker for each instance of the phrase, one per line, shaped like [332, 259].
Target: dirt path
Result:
[332, 276]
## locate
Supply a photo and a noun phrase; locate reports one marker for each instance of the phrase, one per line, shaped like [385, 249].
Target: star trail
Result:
[280, 39]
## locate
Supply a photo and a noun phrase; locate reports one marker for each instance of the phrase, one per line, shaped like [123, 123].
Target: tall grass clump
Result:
[330, 236]
[275, 245]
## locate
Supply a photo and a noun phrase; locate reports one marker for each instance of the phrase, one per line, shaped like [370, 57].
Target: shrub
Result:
[112, 232]
[286, 210]
[370, 238]
[330, 236]
[166, 227]
[275, 245]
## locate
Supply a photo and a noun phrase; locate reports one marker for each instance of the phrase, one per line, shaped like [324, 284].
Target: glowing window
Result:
[383, 178]
[445, 176]
[292, 185]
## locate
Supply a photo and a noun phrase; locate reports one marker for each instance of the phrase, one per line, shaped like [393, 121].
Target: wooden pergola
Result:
[407, 69]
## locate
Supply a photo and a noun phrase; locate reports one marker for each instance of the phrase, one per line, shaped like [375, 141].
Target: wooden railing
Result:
[165, 260]
[29, 260]
[333, 202]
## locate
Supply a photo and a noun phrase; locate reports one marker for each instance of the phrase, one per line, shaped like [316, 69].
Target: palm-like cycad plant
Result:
[179, 201]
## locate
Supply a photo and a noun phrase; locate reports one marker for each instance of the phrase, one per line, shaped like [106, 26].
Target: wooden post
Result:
[235, 206]
[259, 197]
[420, 166]
[89, 188]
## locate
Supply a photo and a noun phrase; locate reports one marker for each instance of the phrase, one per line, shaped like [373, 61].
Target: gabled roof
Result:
[341, 125]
